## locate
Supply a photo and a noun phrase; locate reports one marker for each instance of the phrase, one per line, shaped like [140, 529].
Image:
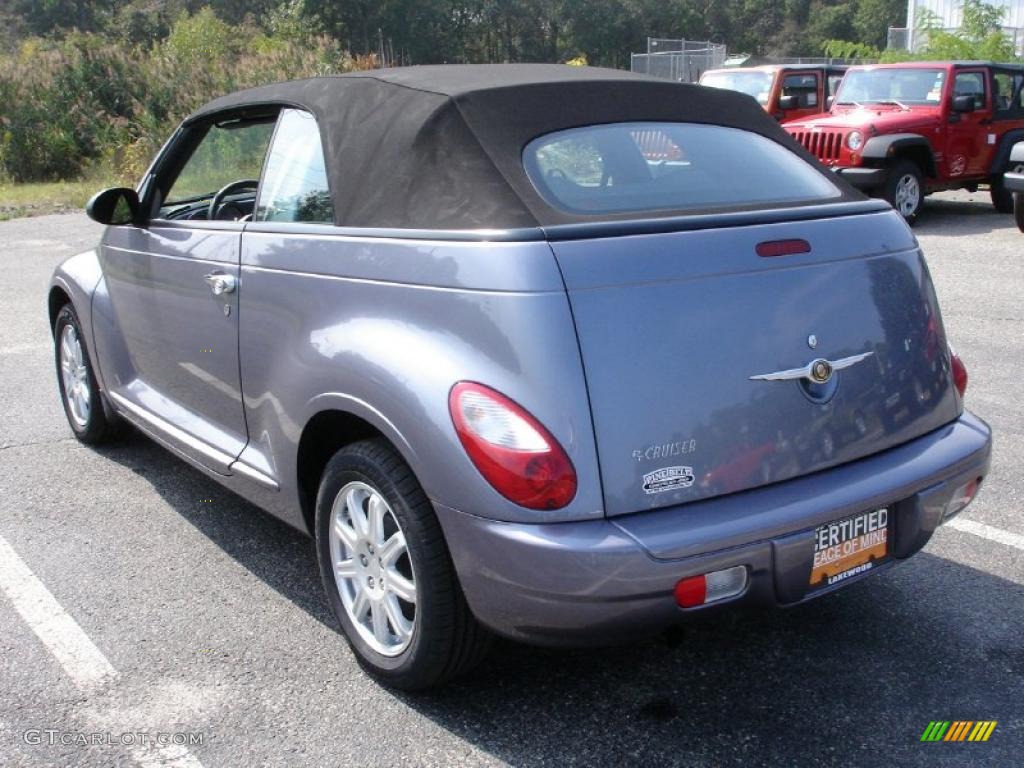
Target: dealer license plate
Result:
[846, 548]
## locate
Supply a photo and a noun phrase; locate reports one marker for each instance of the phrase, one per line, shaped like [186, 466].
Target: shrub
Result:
[86, 100]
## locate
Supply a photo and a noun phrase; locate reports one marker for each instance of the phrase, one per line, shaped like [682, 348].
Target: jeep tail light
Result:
[959, 372]
[511, 449]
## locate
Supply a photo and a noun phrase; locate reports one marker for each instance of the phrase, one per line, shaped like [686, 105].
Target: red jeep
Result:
[902, 131]
[786, 91]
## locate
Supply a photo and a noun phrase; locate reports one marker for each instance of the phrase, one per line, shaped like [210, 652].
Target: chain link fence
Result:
[679, 60]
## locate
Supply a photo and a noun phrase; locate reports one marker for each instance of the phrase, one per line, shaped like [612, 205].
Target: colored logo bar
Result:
[958, 730]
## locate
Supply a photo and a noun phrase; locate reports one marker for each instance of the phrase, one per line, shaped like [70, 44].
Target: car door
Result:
[966, 148]
[170, 349]
[806, 86]
[1007, 115]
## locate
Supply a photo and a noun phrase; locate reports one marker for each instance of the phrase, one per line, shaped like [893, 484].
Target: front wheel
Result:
[1018, 210]
[388, 573]
[904, 190]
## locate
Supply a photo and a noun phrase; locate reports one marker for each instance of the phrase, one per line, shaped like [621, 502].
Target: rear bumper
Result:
[601, 580]
[863, 178]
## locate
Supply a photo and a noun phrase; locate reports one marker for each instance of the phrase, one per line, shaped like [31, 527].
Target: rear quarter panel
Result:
[383, 328]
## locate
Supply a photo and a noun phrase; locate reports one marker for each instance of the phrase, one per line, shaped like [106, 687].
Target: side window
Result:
[295, 181]
[833, 84]
[1003, 91]
[230, 151]
[804, 87]
[971, 84]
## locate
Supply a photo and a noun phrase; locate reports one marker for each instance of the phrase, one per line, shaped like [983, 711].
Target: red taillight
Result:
[782, 248]
[692, 591]
[512, 450]
[959, 372]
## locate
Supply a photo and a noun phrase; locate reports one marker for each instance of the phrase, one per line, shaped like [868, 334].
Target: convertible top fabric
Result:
[440, 147]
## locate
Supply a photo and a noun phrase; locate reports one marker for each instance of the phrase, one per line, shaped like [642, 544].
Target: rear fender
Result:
[912, 145]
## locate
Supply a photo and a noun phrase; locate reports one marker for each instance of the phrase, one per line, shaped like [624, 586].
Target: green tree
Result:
[872, 20]
[42, 17]
[980, 35]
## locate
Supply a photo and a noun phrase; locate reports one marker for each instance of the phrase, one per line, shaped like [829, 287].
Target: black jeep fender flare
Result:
[1011, 150]
[913, 145]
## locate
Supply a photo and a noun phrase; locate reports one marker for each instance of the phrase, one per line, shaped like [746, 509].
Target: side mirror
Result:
[117, 205]
[789, 102]
[963, 103]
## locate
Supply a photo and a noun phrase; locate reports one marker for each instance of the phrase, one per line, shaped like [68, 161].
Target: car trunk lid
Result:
[675, 327]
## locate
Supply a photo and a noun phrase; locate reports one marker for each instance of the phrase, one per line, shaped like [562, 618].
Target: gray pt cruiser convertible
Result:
[561, 354]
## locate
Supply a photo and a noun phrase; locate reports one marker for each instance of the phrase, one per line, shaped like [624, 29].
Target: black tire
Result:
[98, 427]
[1018, 210]
[1002, 198]
[896, 175]
[447, 640]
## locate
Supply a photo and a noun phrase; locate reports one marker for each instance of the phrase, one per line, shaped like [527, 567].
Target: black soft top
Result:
[440, 147]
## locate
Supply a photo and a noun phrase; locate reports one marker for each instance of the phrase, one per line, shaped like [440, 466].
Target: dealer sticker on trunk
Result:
[849, 547]
[668, 479]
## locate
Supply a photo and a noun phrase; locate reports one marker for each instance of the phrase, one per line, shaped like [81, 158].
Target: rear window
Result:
[646, 167]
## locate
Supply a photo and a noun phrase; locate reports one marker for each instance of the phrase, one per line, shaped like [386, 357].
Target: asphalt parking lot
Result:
[211, 620]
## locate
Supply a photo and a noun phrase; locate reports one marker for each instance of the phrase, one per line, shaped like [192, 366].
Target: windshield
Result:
[901, 86]
[756, 84]
[625, 167]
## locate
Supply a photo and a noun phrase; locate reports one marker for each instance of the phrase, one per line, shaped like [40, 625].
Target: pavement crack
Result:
[29, 444]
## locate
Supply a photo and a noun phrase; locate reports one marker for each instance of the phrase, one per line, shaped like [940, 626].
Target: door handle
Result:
[221, 283]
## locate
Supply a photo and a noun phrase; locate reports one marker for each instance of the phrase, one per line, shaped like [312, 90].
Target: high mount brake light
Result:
[771, 248]
[511, 449]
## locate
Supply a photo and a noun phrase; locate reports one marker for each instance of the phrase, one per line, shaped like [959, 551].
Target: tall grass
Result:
[69, 107]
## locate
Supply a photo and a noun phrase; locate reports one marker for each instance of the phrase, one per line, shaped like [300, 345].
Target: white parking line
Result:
[87, 667]
[84, 663]
[987, 532]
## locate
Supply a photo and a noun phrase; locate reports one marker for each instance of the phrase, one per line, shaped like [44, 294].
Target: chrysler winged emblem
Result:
[818, 371]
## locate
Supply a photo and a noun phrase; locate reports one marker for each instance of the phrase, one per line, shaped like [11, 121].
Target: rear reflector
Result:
[782, 248]
[711, 587]
[962, 496]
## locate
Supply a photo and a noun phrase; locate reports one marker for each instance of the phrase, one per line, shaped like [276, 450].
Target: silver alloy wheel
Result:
[372, 568]
[76, 376]
[908, 194]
